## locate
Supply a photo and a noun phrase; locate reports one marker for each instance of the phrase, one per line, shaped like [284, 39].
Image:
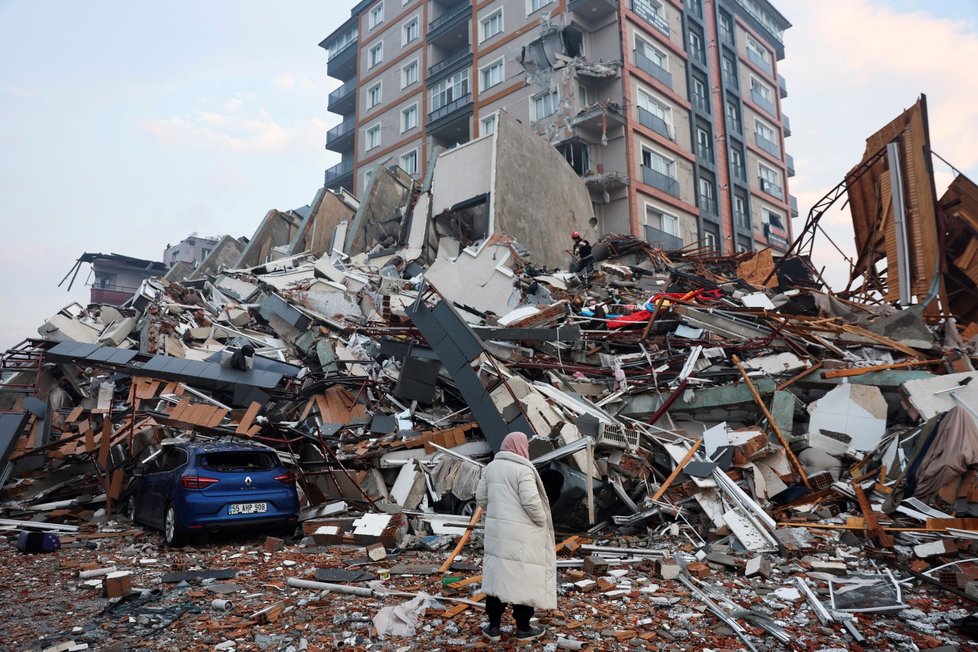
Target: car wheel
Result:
[171, 528]
[467, 508]
[131, 509]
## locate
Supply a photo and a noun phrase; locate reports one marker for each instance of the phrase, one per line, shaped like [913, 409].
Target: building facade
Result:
[669, 110]
[191, 250]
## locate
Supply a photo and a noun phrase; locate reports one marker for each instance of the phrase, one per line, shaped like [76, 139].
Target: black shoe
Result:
[530, 634]
[492, 633]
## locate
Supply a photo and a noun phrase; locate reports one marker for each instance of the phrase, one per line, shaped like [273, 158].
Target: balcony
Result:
[768, 146]
[655, 123]
[663, 182]
[449, 112]
[793, 202]
[667, 241]
[708, 205]
[448, 19]
[782, 87]
[454, 60]
[340, 138]
[786, 125]
[763, 102]
[644, 9]
[770, 188]
[790, 163]
[652, 68]
[342, 64]
[759, 61]
[775, 236]
[342, 171]
[343, 99]
[598, 119]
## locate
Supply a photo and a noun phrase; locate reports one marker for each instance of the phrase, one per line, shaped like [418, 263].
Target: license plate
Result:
[248, 508]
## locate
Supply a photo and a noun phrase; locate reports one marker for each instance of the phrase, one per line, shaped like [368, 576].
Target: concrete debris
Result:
[760, 446]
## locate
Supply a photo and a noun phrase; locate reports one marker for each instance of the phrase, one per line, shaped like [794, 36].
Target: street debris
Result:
[736, 457]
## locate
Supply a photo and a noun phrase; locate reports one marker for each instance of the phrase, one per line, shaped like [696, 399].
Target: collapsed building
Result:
[714, 412]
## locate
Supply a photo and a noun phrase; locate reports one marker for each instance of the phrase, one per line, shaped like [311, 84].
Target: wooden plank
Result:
[676, 471]
[115, 486]
[859, 371]
[773, 424]
[451, 612]
[476, 515]
[249, 417]
[103, 451]
[181, 407]
[75, 413]
[217, 417]
[872, 522]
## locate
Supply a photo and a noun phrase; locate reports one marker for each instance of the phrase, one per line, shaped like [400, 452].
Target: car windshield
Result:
[230, 461]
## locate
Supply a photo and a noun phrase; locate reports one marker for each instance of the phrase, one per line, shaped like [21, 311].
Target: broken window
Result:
[237, 461]
[576, 153]
[774, 219]
[466, 221]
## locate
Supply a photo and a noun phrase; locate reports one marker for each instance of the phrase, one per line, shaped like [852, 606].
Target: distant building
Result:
[193, 250]
[669, 110]
[117, 277]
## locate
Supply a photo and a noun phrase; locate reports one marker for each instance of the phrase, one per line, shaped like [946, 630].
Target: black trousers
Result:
[521, 613]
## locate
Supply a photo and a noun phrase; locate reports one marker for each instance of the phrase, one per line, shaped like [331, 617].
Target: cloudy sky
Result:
[127, 126]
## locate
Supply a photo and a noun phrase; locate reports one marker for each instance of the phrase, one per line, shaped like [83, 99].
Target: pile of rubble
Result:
[717, 434]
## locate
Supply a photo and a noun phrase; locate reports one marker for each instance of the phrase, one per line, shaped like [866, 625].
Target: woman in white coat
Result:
[519, 566]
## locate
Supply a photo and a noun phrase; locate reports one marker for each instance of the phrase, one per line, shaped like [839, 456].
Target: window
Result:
[652, 53]
[729, 67]
[765, 131]
[376, 15]
[409, 162]
[733, 115]
[544, 104]
[375, 55]
[374, 95]
[770, 180]
[741, 216]
[448, 90]
[489, 125]
[367, 176]
[761, 91]
[409, 32]
[707, 193]
[710, 240]
[699, 94]
[695, 8]
[696, 46]
[737, 163]
[491, 75]
[536, 5]
[757, 51]
[662, 221]
[409, 74]
[582, 97]
[726, 28]
[658, 162]
[775, 219]
[662, 116]
[704, 144]
[373, 137]
[491, 25]
[409, 118]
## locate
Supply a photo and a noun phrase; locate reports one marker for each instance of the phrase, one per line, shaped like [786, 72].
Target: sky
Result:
[125, 127]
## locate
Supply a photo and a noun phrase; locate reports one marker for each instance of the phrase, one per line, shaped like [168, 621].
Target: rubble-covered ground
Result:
[735, 456]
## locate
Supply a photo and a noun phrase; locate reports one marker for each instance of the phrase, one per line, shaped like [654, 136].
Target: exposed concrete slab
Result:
[855, 410]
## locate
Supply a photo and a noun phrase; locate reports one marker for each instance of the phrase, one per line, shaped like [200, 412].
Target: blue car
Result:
[191, 488]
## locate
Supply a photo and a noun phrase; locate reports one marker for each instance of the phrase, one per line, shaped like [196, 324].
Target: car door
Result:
[158, 485]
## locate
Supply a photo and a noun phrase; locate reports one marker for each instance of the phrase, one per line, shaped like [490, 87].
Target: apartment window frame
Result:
[664, 219]
[644, 46]
[487, 126]
[725, 27]
[414, 21]
[730, 76]
[763, 89]
[375, 55]
[401, 161]
[733, 114]
[533, 6]
[708, 183]
[755, 46]
[741, 217]
[375, 95]
[553, 95]
[738, 163]
[368, 174]
[407, 111]
[704, 141]
[710, 240]
[696, 45]
[773, 176]
[655, 156]
[489, 20]
[416, 66]
[373, 132]
[499, 63]
[779, 220]
[646, 100]
[698, 83]
[760, 125]
[450, 89]
[375, 16]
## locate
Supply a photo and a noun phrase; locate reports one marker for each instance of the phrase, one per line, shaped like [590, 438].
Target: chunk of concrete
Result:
[858, 411]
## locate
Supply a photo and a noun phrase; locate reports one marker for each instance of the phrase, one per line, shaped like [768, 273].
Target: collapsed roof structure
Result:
[706, 411]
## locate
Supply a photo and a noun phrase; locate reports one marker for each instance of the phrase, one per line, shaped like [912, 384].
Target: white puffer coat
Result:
[519, 565]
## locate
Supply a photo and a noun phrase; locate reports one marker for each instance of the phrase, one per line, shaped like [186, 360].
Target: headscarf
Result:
[516, 442]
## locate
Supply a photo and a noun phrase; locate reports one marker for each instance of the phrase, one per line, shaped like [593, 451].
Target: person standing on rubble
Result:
[519, 565]
[582, 257]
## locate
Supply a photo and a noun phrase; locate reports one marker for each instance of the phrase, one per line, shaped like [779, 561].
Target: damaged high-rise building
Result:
[670, 111]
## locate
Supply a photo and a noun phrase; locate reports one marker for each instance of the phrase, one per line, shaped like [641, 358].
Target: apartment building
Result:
[669, 110]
